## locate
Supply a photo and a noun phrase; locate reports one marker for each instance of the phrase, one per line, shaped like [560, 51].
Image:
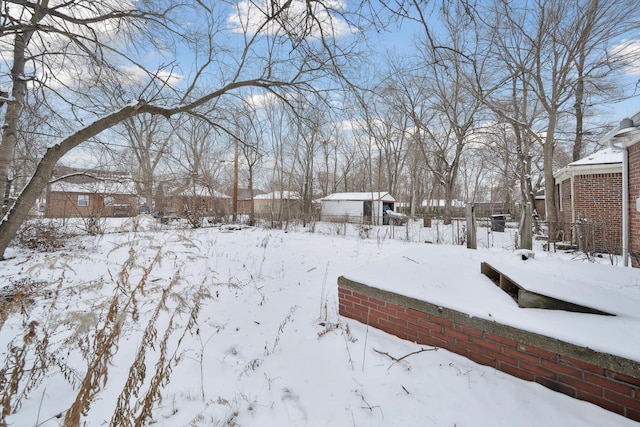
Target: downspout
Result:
[625, 198]
[625, 207]
[573, 197]
[622, 138]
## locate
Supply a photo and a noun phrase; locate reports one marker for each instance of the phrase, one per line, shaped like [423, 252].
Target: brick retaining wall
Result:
[609, 381]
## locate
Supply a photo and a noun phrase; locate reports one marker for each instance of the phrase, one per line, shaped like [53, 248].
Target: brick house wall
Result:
[597, 198]
[66, 205]
[608, 381]
[179, 204]
[634, 215]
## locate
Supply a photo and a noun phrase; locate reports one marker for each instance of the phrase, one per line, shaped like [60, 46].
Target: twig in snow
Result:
[412, 260]
[384, 353]
[369, 407]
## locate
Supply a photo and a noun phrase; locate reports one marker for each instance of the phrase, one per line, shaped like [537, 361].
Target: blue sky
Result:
[401, 39]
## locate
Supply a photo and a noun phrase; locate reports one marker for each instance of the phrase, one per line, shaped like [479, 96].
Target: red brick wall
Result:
[634, 215]
[65, 205]
[598, 198]
[500, 347]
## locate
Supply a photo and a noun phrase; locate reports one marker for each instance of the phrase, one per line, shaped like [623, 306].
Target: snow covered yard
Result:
[228, 327]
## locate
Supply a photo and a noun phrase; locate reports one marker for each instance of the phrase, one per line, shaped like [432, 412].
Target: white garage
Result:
[359, 208]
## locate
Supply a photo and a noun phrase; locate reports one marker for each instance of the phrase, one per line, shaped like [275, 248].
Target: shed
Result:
[360, 208]
[589, 194]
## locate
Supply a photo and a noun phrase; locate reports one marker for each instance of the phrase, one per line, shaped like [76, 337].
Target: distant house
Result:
[244, 199]
[359, 208]
[102, 198]
[287, 203]
[188, 197]
[589, 194]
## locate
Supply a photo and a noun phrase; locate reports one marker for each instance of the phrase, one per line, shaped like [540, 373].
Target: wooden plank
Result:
[527, 299]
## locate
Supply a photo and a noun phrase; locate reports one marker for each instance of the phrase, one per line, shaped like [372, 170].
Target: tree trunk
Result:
[11, 222]
[549, 184]
[579, 95]
[252, 211]
[14, 107]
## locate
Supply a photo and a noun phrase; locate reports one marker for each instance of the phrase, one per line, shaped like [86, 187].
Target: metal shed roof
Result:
[368, 195]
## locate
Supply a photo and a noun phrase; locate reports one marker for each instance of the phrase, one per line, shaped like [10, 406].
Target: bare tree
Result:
[148, 139]
[412, 100]
[283, 141]
[456, 109]
[250, 135]
[599, 24]
[71, 51]
[389, 131]
[548, 45]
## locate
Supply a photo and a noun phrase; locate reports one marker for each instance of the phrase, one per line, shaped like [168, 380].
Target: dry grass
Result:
[49, 334]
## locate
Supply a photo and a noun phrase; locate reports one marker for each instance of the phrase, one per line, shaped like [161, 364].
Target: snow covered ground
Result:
[268, 347]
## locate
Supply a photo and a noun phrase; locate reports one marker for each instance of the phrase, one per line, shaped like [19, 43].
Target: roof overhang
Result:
[570, 171]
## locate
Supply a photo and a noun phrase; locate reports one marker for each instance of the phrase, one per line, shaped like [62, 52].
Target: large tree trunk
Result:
[11, 222]
[14, 107]
[448, 196]
[549, 184]
[579, 96]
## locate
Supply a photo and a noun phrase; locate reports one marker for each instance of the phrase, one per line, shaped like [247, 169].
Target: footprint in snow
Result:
[233, 356]
[294, 409]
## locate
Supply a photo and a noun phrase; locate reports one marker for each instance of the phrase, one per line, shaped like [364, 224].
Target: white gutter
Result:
[573, 197]
[622, 139]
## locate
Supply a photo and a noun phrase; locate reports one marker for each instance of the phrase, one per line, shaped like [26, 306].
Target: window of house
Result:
[108, 201]
[560, 204]
[83, 200]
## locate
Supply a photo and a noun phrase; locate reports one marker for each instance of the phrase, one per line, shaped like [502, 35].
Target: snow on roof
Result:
[605, 156]
[607, 160]
[368, 195]
[97, 187]
[278, 195]
[202, 191]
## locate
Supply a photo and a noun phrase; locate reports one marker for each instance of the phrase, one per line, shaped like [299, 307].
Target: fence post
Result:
[526, 228]
[471, 227]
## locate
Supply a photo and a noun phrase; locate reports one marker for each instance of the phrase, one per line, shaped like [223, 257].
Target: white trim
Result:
[84, 198]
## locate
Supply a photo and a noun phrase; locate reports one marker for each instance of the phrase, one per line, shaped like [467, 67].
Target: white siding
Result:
[349, 211]
[341, 210]
[349, 207]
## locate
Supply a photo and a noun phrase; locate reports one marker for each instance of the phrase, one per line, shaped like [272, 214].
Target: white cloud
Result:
[138, 76]
[629, 50]
[264, 100]
[252, 15]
